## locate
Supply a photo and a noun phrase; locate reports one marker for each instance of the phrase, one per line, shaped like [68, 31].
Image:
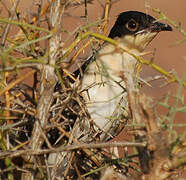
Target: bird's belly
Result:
[103, 104]
[105, 98]
[105, 93]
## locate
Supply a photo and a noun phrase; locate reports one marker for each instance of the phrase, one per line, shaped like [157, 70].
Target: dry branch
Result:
[69, 148]
[48, 79]
[7, 28]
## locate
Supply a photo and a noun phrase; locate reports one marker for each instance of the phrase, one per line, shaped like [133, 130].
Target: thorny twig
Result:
[70, 148]
[7, 28]
[48, 79]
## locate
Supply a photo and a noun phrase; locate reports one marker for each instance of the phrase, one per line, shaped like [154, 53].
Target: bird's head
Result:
[136, 29]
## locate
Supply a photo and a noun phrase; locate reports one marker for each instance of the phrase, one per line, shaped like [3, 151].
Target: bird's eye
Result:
[132, 25]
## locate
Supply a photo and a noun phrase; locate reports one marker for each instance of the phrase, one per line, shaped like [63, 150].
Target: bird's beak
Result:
[155, 27]
[158, 26]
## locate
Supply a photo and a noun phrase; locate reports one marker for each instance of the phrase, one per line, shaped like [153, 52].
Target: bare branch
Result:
[70, 148]
[7, 28]
[48, 78]
[21, 66]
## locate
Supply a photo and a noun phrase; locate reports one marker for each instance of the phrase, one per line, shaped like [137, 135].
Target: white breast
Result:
[106, 96]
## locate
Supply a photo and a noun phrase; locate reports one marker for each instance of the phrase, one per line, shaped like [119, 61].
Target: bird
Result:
[105, 94]
[102, 87]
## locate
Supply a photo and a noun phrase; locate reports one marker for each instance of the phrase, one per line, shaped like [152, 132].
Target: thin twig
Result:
[21, 66]
[17, 81]
[70, 148]
[7, 28]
